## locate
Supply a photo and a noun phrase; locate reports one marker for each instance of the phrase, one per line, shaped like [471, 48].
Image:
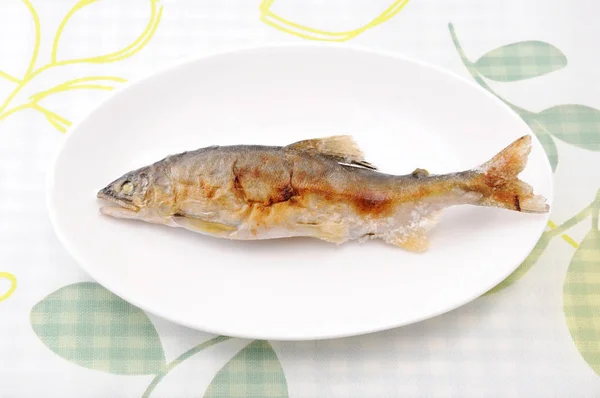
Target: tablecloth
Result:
[537, 334]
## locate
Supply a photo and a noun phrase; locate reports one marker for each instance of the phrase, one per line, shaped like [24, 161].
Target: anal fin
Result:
[413, 237]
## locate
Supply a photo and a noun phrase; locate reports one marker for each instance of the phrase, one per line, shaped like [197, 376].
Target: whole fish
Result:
[321, 188]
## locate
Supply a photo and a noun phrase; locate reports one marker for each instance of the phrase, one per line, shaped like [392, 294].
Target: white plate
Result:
[405, 114]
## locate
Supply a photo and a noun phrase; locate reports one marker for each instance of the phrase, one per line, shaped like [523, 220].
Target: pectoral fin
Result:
[204, 227]
[195, 209]
[330, 232]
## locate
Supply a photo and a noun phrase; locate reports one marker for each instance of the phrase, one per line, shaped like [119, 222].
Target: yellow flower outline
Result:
[59, 122]
[306, 32]
[13, 284]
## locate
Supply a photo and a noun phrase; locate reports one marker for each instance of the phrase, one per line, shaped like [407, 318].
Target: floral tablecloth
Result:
[537, 334]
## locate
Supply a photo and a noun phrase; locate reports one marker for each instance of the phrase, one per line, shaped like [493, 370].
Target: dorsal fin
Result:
[341, 148]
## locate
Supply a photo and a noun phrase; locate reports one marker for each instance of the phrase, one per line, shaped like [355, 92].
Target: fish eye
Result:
[127, 187]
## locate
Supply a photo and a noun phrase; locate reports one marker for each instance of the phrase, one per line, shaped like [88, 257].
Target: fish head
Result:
[128, 194]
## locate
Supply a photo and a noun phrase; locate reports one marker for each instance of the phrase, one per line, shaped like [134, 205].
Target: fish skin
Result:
[320, 188]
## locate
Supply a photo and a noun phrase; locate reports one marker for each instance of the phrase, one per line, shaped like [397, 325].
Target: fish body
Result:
[321, 188]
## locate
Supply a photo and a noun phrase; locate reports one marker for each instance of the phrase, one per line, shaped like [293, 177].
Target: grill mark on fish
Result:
[209, 190]
[275, 190]
[364, 203]
[288, 191]
[236, 185]
[372, 205]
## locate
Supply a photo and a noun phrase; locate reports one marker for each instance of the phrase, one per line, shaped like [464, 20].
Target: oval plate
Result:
[403, 113]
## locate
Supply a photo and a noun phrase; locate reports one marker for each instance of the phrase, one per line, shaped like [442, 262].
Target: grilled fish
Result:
[321, 188]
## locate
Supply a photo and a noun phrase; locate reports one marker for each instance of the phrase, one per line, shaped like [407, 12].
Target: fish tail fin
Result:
[501, 185]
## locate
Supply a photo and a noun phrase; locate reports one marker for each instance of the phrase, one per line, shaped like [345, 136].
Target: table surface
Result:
[537, 334]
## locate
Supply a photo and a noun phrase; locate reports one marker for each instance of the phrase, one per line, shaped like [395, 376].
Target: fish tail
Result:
[500, 184]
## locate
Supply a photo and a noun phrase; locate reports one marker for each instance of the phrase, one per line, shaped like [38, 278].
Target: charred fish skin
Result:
[321, 188]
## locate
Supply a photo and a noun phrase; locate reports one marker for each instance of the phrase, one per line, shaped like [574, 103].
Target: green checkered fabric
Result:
[578, 125]
[522, 60]
[255, 372]
[581, 299]
[86, 324]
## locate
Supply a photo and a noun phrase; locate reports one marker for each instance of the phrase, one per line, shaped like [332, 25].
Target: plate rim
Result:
[51, 174]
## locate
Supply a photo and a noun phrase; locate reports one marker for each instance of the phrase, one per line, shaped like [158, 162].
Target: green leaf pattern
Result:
[86, 324]
[518, 61]
[577, 125]
[581, 299]
[255, 372]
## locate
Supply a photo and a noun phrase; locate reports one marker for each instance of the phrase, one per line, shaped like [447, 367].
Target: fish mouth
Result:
[122, 203]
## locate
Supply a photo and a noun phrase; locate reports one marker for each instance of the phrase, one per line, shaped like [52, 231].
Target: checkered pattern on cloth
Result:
[92, 327]
[520, 60]
[582, 299]
[578, 125]
[253, 372]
